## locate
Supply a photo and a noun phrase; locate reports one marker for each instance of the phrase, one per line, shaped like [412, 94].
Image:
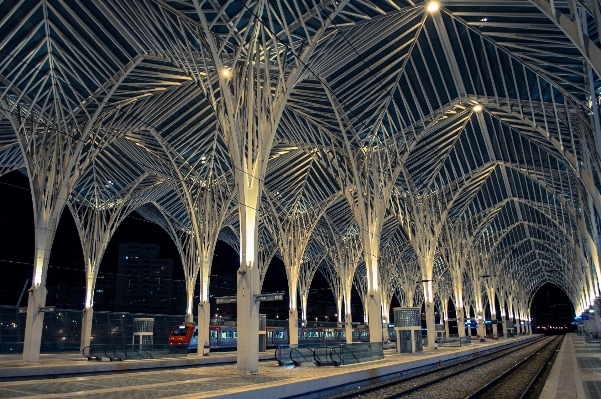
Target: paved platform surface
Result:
[576, 372]
[222, 381]
[74, 364]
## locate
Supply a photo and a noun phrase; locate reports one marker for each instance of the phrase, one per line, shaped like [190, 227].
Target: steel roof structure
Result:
[424, 150]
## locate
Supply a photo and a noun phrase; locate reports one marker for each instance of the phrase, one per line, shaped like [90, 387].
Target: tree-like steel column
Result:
[204, 191]
[292, 228]
[345, 254]
[389, 282]
[422, 230]
[362, 286]
[367, 186]
[309, 265]
[330, 272]
[444, 289]
[490, 285]
[475, 271]
[55, 146]
[97, 219]
[255, 73]
[454, 250]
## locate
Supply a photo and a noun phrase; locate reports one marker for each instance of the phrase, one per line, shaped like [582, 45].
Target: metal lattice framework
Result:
[421, 150]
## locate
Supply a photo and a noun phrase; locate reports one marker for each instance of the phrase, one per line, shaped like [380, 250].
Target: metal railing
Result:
[592, 337]
[134, 352]
[340, 354]
[454, 341]
[299, 353]
[337, 354]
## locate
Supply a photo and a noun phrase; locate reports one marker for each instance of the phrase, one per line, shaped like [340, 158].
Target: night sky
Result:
[551, 307]
[66, 260]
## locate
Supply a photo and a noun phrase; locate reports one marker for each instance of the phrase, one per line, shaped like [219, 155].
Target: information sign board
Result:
[269, 297]
[226, 299]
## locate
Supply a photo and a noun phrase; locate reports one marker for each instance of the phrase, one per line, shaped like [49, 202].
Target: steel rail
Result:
[506, 373]
[396, 381]
[458, 372]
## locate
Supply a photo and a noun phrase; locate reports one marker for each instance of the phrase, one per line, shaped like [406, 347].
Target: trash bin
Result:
[206, 350]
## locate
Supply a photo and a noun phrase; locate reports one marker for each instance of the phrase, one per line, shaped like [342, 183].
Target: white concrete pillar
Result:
[304, 301]
[190, 284]
[85, 337]
[86, 328]
[494, 329]
[374, 291]
[248, 319]
[481, 328]
[348, 328]
[248, 275]
[348, 316]
[385, 332]
[446, 328]
[374, 309]
[293, 326]
[34, 324]
[204, 320]
[460, 312]
[430, 324]
[597, 316]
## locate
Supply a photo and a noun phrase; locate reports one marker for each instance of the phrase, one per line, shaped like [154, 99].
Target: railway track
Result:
[469, 378]
[519, 379]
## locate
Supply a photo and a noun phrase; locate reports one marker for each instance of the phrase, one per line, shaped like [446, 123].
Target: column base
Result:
[34, 325]
[86, 328]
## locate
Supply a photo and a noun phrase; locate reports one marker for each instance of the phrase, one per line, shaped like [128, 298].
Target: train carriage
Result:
[226, 337]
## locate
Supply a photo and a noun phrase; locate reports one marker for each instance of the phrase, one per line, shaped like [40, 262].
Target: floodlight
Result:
[433, 6]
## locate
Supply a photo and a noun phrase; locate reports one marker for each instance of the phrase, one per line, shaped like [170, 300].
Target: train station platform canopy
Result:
[424, 150]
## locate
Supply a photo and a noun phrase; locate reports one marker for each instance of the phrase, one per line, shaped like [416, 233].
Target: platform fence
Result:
[62, 329]
[334, 354]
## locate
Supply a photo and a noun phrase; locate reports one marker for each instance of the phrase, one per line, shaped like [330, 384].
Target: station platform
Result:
[76, 365]
[576, 372]
[222, 381]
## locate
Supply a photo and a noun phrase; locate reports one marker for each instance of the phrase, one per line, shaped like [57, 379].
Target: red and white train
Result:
[227, 337]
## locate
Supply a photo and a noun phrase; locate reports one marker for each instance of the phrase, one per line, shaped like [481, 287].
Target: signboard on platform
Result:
[47, 309]
[22, 310]
[226, 299]
[269, 297]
